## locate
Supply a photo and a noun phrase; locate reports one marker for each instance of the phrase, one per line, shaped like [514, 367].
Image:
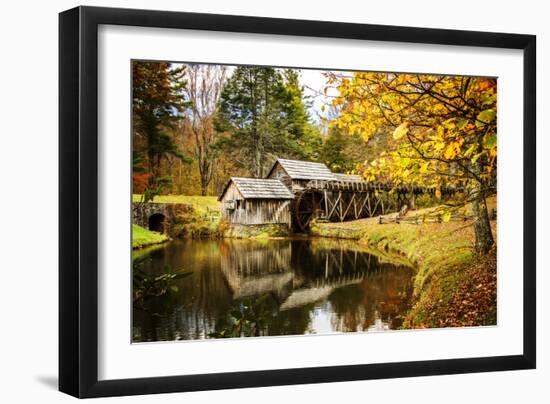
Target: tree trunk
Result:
[204, 171]
[152, 180]
[204, 186]
[412, 201]
[484, 237]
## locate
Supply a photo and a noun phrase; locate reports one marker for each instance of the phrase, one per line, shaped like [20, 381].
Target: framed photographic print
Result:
[250, 202]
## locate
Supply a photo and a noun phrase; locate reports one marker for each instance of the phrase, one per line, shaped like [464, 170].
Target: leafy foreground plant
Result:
[247, 318]
[146, 286]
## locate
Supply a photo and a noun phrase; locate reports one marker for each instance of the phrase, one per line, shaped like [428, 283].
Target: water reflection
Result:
[313, 286]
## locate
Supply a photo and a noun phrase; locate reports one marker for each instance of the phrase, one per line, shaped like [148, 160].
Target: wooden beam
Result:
[335, 205]
[371, 195]
[377, 199]
[365, 201]
[349, 204]
[341, 208]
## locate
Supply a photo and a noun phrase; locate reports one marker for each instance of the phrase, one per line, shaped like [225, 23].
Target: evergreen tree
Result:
[157, 103]
[263, 113]
[304, 138]
[333, 151]
[344, 153]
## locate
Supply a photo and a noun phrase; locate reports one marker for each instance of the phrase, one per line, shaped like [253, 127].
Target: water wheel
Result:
[307, 204]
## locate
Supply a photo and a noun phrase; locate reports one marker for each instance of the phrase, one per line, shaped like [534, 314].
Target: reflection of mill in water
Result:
[252, 270]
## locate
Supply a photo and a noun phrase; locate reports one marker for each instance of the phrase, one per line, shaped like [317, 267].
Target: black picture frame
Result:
[78, 196]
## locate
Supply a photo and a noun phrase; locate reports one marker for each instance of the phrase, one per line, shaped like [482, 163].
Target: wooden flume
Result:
[339, 201]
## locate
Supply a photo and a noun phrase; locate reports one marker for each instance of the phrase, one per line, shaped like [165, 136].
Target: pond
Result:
[306, 286]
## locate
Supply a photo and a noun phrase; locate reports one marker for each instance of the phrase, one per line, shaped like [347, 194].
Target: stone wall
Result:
[141, 212]
[257, 230]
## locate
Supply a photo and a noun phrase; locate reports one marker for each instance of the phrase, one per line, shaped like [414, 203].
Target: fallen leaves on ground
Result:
[472, 303]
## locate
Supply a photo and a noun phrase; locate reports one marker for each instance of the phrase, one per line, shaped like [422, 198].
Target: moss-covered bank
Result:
[452, 287]
[142, 237]
[255, 231]
[196, 223]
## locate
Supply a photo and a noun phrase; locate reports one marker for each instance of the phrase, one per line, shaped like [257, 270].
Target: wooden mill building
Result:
[295, 192]
[278, 198]
[255, 201]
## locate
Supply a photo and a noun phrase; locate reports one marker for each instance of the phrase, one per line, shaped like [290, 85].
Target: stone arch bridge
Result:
[159, 217]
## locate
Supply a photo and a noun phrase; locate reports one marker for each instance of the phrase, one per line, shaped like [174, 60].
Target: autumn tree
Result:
[140, 177]
[157, 104]
[444, 128]
[204, 87]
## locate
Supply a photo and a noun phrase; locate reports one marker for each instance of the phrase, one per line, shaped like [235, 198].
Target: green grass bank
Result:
[142, 237]
[201, 204]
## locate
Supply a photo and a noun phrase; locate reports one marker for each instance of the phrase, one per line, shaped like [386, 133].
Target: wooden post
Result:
[340, 206]
[412, 201]
[368, 201]
[326, 203]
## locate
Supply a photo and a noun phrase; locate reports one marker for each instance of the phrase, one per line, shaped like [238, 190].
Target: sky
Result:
[314, 82]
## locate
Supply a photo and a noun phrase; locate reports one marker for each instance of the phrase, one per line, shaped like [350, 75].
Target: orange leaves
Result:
[139, 182]
[485, 84]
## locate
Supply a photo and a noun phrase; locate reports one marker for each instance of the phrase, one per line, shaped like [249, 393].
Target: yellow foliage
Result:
[401, 131]
[435, 122]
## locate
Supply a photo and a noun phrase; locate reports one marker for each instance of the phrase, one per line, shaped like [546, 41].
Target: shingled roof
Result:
[305, 170]
[260, 188]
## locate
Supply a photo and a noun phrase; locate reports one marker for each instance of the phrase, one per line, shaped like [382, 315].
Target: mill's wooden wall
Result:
[232, 194]
[260, 211]
[255, 211]
[280, 174]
